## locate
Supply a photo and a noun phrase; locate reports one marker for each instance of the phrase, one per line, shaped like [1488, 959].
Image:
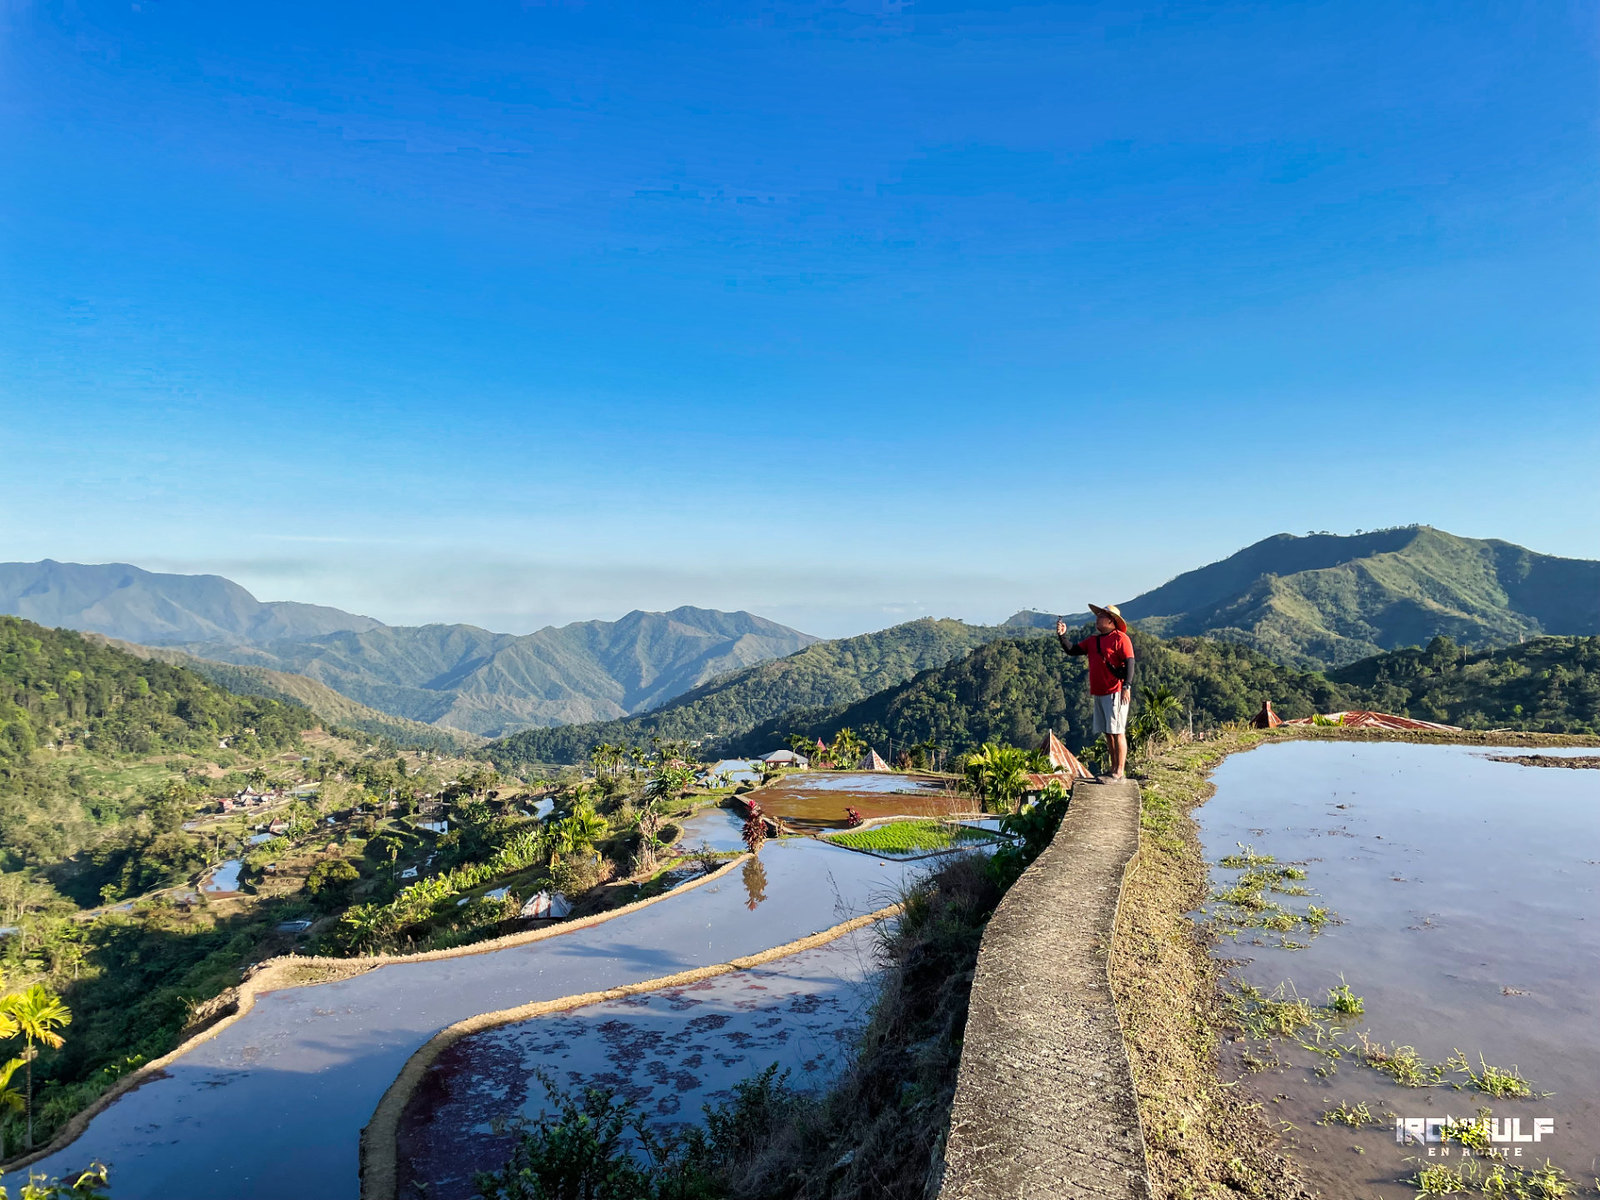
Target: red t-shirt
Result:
[1115, 647]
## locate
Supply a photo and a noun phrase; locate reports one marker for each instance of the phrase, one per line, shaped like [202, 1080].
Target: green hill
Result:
[820, 677]
[1325, 600]
[332, 709]
[1015, 689]
[72, 707]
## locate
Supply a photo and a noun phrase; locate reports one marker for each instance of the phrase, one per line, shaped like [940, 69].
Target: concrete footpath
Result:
[1045, 1105]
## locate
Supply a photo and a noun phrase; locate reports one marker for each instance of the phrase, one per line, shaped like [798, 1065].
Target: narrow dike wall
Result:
[1045, 1104]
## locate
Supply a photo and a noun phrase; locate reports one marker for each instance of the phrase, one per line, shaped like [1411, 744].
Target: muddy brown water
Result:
[1469, 894]
[670, 1053]
[813, 801]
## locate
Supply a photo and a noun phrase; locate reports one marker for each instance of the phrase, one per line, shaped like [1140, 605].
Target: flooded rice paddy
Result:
[670, 1052]
[1464, 899]
[225, 879]
[811, 801]
[288, 1088]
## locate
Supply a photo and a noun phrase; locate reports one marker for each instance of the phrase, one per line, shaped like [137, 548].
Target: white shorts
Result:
[1111, 712]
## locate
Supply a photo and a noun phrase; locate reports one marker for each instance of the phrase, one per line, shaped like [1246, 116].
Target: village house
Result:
[786, 758]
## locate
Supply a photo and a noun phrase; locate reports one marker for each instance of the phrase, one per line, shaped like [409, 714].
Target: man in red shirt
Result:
[1110, 655]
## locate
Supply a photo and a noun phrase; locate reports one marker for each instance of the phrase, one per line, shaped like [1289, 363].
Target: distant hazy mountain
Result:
[818, 678]
[454, 676]
[463, 677]
[153, 609]
[1325, 600]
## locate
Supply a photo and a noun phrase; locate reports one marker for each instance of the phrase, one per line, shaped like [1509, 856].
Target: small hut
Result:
[1266, 718]
[1063, 760]
[872, 761]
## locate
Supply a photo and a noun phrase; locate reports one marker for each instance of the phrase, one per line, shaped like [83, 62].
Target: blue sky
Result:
[844, 313]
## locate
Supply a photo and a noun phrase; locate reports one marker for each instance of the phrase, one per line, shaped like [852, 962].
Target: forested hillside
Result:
[1014, 690]
[1549, 685]
[332, 709]
[70, 706]
[820, 677]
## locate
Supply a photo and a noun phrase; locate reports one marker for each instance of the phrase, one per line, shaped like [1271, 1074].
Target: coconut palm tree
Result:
[847, 748]
[35, 1014]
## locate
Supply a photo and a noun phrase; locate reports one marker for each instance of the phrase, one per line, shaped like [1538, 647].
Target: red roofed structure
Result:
[1364, 718]
[1063, 760]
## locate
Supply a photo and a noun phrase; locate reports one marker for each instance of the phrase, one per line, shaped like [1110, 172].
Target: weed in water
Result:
[1473, 1134]
[1354, 1116]
[1491, 1081]
[1344, 1002]
[1247, 857]
[1402, 1064]
[1439, 1180]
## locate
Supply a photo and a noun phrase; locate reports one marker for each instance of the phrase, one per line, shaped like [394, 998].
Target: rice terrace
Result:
[799, 600]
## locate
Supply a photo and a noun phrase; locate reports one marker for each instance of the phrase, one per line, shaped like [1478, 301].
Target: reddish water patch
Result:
[816, 800]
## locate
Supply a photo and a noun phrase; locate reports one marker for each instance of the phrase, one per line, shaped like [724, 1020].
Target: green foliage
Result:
[330, 881]
[996, 775]
[89, 1184]
[1034, 825]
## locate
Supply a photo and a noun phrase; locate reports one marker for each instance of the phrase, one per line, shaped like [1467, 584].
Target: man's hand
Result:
[1061, 627]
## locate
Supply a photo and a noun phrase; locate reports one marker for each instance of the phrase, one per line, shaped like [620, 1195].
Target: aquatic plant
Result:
[1247, 857]
[1354, 1116]
[1506, 1181]
[1472, 1133]
[1440, 1180]
[1492, 1081]
[1264, 1016]
[1343, 1001]
[1401, 1063]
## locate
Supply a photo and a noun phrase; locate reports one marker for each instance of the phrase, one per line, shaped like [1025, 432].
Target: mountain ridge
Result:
[1326, 600]
[453, 676]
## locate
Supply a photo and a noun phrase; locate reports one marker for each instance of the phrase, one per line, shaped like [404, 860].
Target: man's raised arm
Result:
[1061, 636]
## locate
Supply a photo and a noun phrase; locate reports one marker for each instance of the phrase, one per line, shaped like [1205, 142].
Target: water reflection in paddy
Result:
[299, 1076]
[224, 879]
[815, 800]
[670, 1052]
[1470, 897]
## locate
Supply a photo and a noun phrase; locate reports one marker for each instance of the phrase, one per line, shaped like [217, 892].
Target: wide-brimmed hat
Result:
[1112, 611]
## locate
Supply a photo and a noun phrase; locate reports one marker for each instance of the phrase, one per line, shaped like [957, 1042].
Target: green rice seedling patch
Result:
[911, 837]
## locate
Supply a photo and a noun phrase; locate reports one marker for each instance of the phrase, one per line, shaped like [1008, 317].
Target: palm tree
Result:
[10, 1099]
[579, 832]
[997, 774]
[847, 748]
[36, 1014]
[1154, 724]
